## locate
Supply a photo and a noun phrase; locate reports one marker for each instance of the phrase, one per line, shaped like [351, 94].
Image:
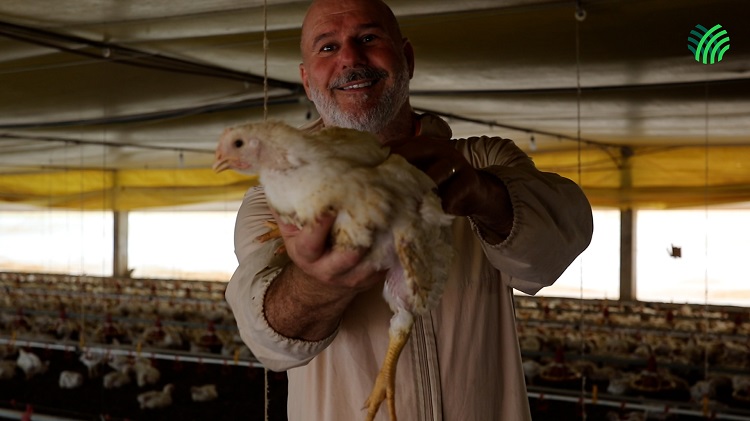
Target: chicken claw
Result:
[385, 384]
[274, 233]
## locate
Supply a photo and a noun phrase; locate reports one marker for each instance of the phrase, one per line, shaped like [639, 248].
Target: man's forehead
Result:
[331, 28]
[341, 21]
[330, 17]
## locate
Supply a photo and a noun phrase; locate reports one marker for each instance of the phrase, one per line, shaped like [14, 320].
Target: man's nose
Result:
[352, 54]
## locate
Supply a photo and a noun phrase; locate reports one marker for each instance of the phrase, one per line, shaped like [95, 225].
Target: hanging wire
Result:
[66, 175]
[49, 214]
[265, 60]
[705, 239]
[104, 202]
[82, 301]
[81, 185]
[265, 117]
[580, 15]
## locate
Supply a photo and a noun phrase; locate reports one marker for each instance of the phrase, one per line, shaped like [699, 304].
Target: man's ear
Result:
[305, 82]
[409, 54]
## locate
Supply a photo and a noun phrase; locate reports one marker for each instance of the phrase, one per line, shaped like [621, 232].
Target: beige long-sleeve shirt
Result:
[462, 362]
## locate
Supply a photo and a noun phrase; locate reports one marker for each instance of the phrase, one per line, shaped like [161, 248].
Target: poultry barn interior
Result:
[126, 337]
[111, 109]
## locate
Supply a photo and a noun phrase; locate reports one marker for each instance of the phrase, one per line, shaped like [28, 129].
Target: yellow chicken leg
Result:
[274, 232]
[385, 384]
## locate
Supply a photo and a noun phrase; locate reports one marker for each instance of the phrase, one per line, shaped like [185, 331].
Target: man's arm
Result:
[296, 308]
[287, 317]
[492, 211]
[552, 218]
[308, 298]
[532, 224]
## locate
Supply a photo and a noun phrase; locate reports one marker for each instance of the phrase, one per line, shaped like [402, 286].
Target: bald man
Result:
[320, 315]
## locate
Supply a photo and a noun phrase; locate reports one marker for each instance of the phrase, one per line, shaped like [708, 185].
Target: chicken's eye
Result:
[238, 143]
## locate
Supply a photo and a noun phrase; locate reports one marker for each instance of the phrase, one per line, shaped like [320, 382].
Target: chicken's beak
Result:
[221, 164]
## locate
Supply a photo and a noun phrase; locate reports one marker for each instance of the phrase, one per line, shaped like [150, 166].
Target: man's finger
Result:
[312, 240]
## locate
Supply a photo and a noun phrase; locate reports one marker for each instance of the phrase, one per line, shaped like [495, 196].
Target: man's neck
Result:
[403, 126]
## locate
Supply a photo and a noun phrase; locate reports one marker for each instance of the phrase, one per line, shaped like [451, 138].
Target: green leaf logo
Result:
[706, 43]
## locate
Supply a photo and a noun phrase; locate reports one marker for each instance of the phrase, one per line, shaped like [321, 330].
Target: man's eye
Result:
[368, 38]
[328, 48]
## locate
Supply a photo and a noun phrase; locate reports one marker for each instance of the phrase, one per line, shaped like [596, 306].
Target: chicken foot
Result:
[385, 384]
[273, 233]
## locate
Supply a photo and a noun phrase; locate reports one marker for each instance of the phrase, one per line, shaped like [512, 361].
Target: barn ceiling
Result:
[118, 104]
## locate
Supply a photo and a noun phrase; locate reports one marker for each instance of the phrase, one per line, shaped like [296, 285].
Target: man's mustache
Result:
[359, 73]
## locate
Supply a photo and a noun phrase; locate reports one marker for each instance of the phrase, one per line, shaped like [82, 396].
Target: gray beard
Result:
[373, 120]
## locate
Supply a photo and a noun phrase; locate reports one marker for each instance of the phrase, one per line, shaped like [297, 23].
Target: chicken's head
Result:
[250, 148]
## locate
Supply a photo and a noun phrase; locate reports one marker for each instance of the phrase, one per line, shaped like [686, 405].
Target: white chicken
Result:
[156, 398]
[120, 362]
[70, 379]
[161, 336]
[204, 393]
[116, 379]
[382, 202]
[620, 384]
[31, 364]
[145, 372]
[93, 360]
[531, 369]
[207, 341]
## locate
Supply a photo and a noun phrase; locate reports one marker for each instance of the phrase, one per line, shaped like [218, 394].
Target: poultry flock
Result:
[148, 345]
[687, 355]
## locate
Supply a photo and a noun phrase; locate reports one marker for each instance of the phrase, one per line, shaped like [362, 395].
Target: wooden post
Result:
[627, 229]
[627, 255]
[120, 260]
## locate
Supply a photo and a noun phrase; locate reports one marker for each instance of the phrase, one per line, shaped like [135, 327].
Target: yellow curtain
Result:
[649, 178]
[123, 190]
[655, 177]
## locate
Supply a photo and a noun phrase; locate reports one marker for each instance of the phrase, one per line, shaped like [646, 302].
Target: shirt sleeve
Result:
[258, 267]
[552, 221]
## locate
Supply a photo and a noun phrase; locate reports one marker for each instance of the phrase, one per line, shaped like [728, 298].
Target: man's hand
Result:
[307, 299]
[463, 189]
[311, 251]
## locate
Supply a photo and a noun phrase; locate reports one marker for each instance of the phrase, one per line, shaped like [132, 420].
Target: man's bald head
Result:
[319, 9]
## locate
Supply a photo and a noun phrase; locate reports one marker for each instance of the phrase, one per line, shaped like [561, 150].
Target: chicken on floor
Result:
[156, 398]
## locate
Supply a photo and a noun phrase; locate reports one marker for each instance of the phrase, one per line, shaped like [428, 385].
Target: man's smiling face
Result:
[356, 66]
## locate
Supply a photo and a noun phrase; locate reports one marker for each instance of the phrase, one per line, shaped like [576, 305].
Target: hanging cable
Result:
[265, 118]
[580, 15]
[104, 198]
[705, 239]
[265, 60]
[82, 301]
[124, 55]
